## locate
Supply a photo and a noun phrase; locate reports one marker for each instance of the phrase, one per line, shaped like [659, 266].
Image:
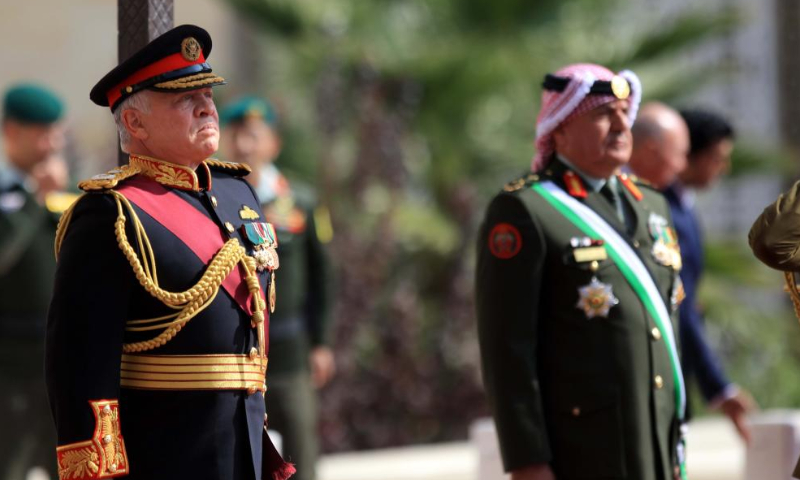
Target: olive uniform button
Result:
[576, 411]
[229, 227]
[636, 243]
[656, 333]
[214, 201]
[659, 381]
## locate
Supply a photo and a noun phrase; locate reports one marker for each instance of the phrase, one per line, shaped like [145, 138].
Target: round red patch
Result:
[504, 241]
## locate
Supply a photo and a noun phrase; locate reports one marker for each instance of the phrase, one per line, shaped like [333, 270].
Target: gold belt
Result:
[194, 372]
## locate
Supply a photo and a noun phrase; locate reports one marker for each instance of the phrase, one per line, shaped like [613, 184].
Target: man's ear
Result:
[133, 121]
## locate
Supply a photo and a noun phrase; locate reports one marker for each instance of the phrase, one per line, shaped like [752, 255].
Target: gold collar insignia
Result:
[167, 174]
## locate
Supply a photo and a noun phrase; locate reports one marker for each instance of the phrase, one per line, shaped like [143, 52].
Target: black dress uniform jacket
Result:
[165, 434]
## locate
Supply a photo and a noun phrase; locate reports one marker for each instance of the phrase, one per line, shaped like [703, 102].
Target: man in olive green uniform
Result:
[32, 135]
[577, 292]
[300, 358]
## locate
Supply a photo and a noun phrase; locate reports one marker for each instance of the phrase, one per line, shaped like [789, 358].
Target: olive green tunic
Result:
[593, 397]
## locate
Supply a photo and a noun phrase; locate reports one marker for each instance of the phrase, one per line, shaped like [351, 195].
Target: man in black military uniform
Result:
[156, 341]
[32, 135]
[299, 331]
[577, 298]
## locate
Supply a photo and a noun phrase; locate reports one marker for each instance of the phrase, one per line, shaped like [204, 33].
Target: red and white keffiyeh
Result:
[559, 108]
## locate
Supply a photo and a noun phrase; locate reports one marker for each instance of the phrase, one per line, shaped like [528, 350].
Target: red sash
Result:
[198, 232]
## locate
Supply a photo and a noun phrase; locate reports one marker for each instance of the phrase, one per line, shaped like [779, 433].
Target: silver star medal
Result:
[596, 299]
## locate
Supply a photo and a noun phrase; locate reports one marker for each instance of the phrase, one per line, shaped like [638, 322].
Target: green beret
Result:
[248, 107]
[32, 103]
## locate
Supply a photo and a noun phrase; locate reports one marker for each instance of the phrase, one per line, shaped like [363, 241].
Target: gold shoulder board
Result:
[108, 180]
[238, 169]
[521, 182]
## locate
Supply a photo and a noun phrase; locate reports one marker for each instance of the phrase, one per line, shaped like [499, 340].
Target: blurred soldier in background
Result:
[677, 152]
[32, 173]
[300, 357]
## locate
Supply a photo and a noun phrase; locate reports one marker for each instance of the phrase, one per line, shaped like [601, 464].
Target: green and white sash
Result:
[631, 266]
[637, 275]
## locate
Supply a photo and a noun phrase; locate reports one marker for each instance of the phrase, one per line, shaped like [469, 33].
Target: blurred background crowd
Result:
[406, 116]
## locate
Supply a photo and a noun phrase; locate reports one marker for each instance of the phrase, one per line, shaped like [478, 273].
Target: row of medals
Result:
[597, 298]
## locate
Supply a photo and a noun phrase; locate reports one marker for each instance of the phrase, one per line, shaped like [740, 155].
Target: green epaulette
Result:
[641, 182]
[238, 169]
[521, 182]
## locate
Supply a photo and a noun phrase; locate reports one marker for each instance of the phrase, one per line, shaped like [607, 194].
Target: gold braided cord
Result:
[185, 82]
[63, 223]
[794, 293]
[190, 302]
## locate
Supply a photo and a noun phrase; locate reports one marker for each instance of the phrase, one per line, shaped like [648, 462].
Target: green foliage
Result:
[750, 323]
[409, 115]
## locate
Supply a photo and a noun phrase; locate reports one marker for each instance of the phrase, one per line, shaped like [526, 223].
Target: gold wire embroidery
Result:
[104, 455]
[191, 81]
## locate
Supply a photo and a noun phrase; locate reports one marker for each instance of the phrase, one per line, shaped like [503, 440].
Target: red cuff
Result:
[104, 455]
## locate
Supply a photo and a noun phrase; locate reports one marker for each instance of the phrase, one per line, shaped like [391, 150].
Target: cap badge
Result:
[190, 49]
[620, 87]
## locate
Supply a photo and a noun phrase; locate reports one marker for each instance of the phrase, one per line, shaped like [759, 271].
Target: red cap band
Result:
[176, 61]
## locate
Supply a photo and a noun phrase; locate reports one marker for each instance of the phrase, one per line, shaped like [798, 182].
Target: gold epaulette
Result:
[640, 181]
[59, 202]
[108, 180]
[521, 182]
[238, 169]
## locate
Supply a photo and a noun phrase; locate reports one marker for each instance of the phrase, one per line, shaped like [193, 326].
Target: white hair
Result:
[138, 101]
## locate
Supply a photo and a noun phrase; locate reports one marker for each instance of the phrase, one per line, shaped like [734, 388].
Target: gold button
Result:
[214, 201]
[107, 409]
[112, 468]
[659, 381]
[576, 411]
[636, 243]
[594, 266]
[229, 227]
[253, 353]
[656, 333]
[128, 89]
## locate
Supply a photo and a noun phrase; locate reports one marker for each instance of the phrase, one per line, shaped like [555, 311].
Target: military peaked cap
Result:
[173, 62]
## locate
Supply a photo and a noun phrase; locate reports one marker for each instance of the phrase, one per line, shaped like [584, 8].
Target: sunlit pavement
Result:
[714, 453]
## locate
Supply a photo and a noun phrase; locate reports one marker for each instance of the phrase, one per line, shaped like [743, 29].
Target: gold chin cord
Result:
[188, 303]
[794, 292]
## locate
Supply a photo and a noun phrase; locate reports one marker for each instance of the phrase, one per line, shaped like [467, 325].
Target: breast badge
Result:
[665, 243]
[596, 299]
[265, 242]
[678, 294]
[505, 241]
